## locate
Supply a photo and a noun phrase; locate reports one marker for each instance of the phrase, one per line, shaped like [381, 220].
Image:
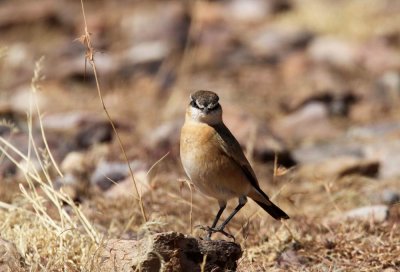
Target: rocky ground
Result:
[311, 89]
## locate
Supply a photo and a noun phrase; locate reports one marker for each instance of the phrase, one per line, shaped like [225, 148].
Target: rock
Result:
[31, 167]
[69, 120]
[390, 269]
[148, 52]
[74, 163]
[87, 128]
[125, 188]
[94, 133]
[169, 251]
[108, 173]
[17, 55]
[19, 102]
[253, 11]
[388, 153]
[75, 168]
[388, 87]
[165, 137]
[338, 103]
[167, 25]
[294, 67]
[334, 52]
[339, 167]
[390, 197]
[218, 45]
[29, 13]
[10, 259]
[377, 213]
[378, 57]
[289, 258]
[276, 42]
[251, 133]
[375, 142]
[71, 185]
[376, 130]
[311, 122]
[248, 10]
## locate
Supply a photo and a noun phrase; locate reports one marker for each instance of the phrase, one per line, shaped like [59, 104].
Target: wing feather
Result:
[231, 147]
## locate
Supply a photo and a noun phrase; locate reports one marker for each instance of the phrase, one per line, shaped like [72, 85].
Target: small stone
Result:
[126, 187]
[337, 102]
[169, 251]
[70, 185]
[377, 213]
[166, 136]
[249, 10]
[19, 102]
[68, 120]
[250, 132]
[94, 133]
[29, 167]
[334, 52]
[389, 83]
[390, 269]
[390, 197]
[388, 153]
[276, 42]
[108, 173]
[289, 258]
[167, 24]
[74, 163]
[378, 57]
[340, 167]
[311, 122]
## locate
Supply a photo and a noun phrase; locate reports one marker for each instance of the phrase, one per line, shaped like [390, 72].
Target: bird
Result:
[215, 163]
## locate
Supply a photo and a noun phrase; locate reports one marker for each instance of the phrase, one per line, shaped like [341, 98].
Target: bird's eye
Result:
[194, 104]
[212, 106]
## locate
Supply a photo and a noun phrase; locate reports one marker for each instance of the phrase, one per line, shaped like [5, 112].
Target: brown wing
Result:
[232, 149]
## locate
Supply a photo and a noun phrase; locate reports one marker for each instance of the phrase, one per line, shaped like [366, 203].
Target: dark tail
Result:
[273, 210]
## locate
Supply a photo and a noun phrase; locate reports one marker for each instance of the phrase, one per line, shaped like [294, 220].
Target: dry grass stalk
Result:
[53, 241]
[85, 39]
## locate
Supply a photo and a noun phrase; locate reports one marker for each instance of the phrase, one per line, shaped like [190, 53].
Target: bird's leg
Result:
[222, 206]
[242, 202]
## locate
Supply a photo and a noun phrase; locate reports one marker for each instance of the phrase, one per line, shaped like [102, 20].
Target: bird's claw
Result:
[211, 230]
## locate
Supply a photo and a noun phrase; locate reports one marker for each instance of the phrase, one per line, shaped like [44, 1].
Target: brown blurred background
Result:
[314, 82]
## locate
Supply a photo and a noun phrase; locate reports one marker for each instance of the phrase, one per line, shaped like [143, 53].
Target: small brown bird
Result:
[215, 163]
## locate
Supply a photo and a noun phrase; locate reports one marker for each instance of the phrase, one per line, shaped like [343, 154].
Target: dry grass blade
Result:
[85, 39]
[34, 87]
[47, 241]
[187, 182]
[203, 264]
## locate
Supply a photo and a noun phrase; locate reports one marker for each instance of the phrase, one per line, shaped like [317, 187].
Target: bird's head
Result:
[204, 108]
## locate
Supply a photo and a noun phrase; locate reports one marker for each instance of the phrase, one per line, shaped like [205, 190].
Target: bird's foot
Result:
[211, 230]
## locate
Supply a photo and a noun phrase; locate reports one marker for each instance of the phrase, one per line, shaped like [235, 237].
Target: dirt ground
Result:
[311, 89]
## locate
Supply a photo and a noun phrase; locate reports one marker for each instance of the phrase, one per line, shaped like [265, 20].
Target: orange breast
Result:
[208, 167]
